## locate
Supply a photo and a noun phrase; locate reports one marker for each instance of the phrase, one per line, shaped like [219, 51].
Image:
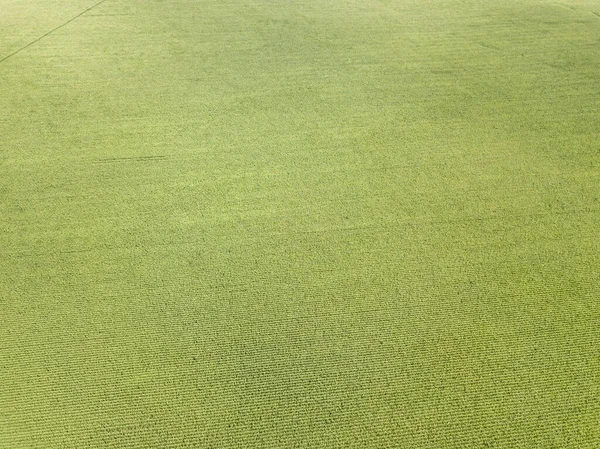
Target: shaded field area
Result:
[299, 224]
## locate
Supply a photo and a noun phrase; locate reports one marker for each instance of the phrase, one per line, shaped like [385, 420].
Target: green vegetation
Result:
[299, 224]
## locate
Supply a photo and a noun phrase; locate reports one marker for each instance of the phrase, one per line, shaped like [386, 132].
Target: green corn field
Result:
[299, 224]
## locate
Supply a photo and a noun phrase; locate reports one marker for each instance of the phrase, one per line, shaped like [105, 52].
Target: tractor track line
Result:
[50, 32]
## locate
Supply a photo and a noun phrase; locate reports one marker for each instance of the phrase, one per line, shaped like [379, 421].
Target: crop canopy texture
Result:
[311, 224]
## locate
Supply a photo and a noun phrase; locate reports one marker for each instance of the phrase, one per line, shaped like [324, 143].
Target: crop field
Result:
[299, 224]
